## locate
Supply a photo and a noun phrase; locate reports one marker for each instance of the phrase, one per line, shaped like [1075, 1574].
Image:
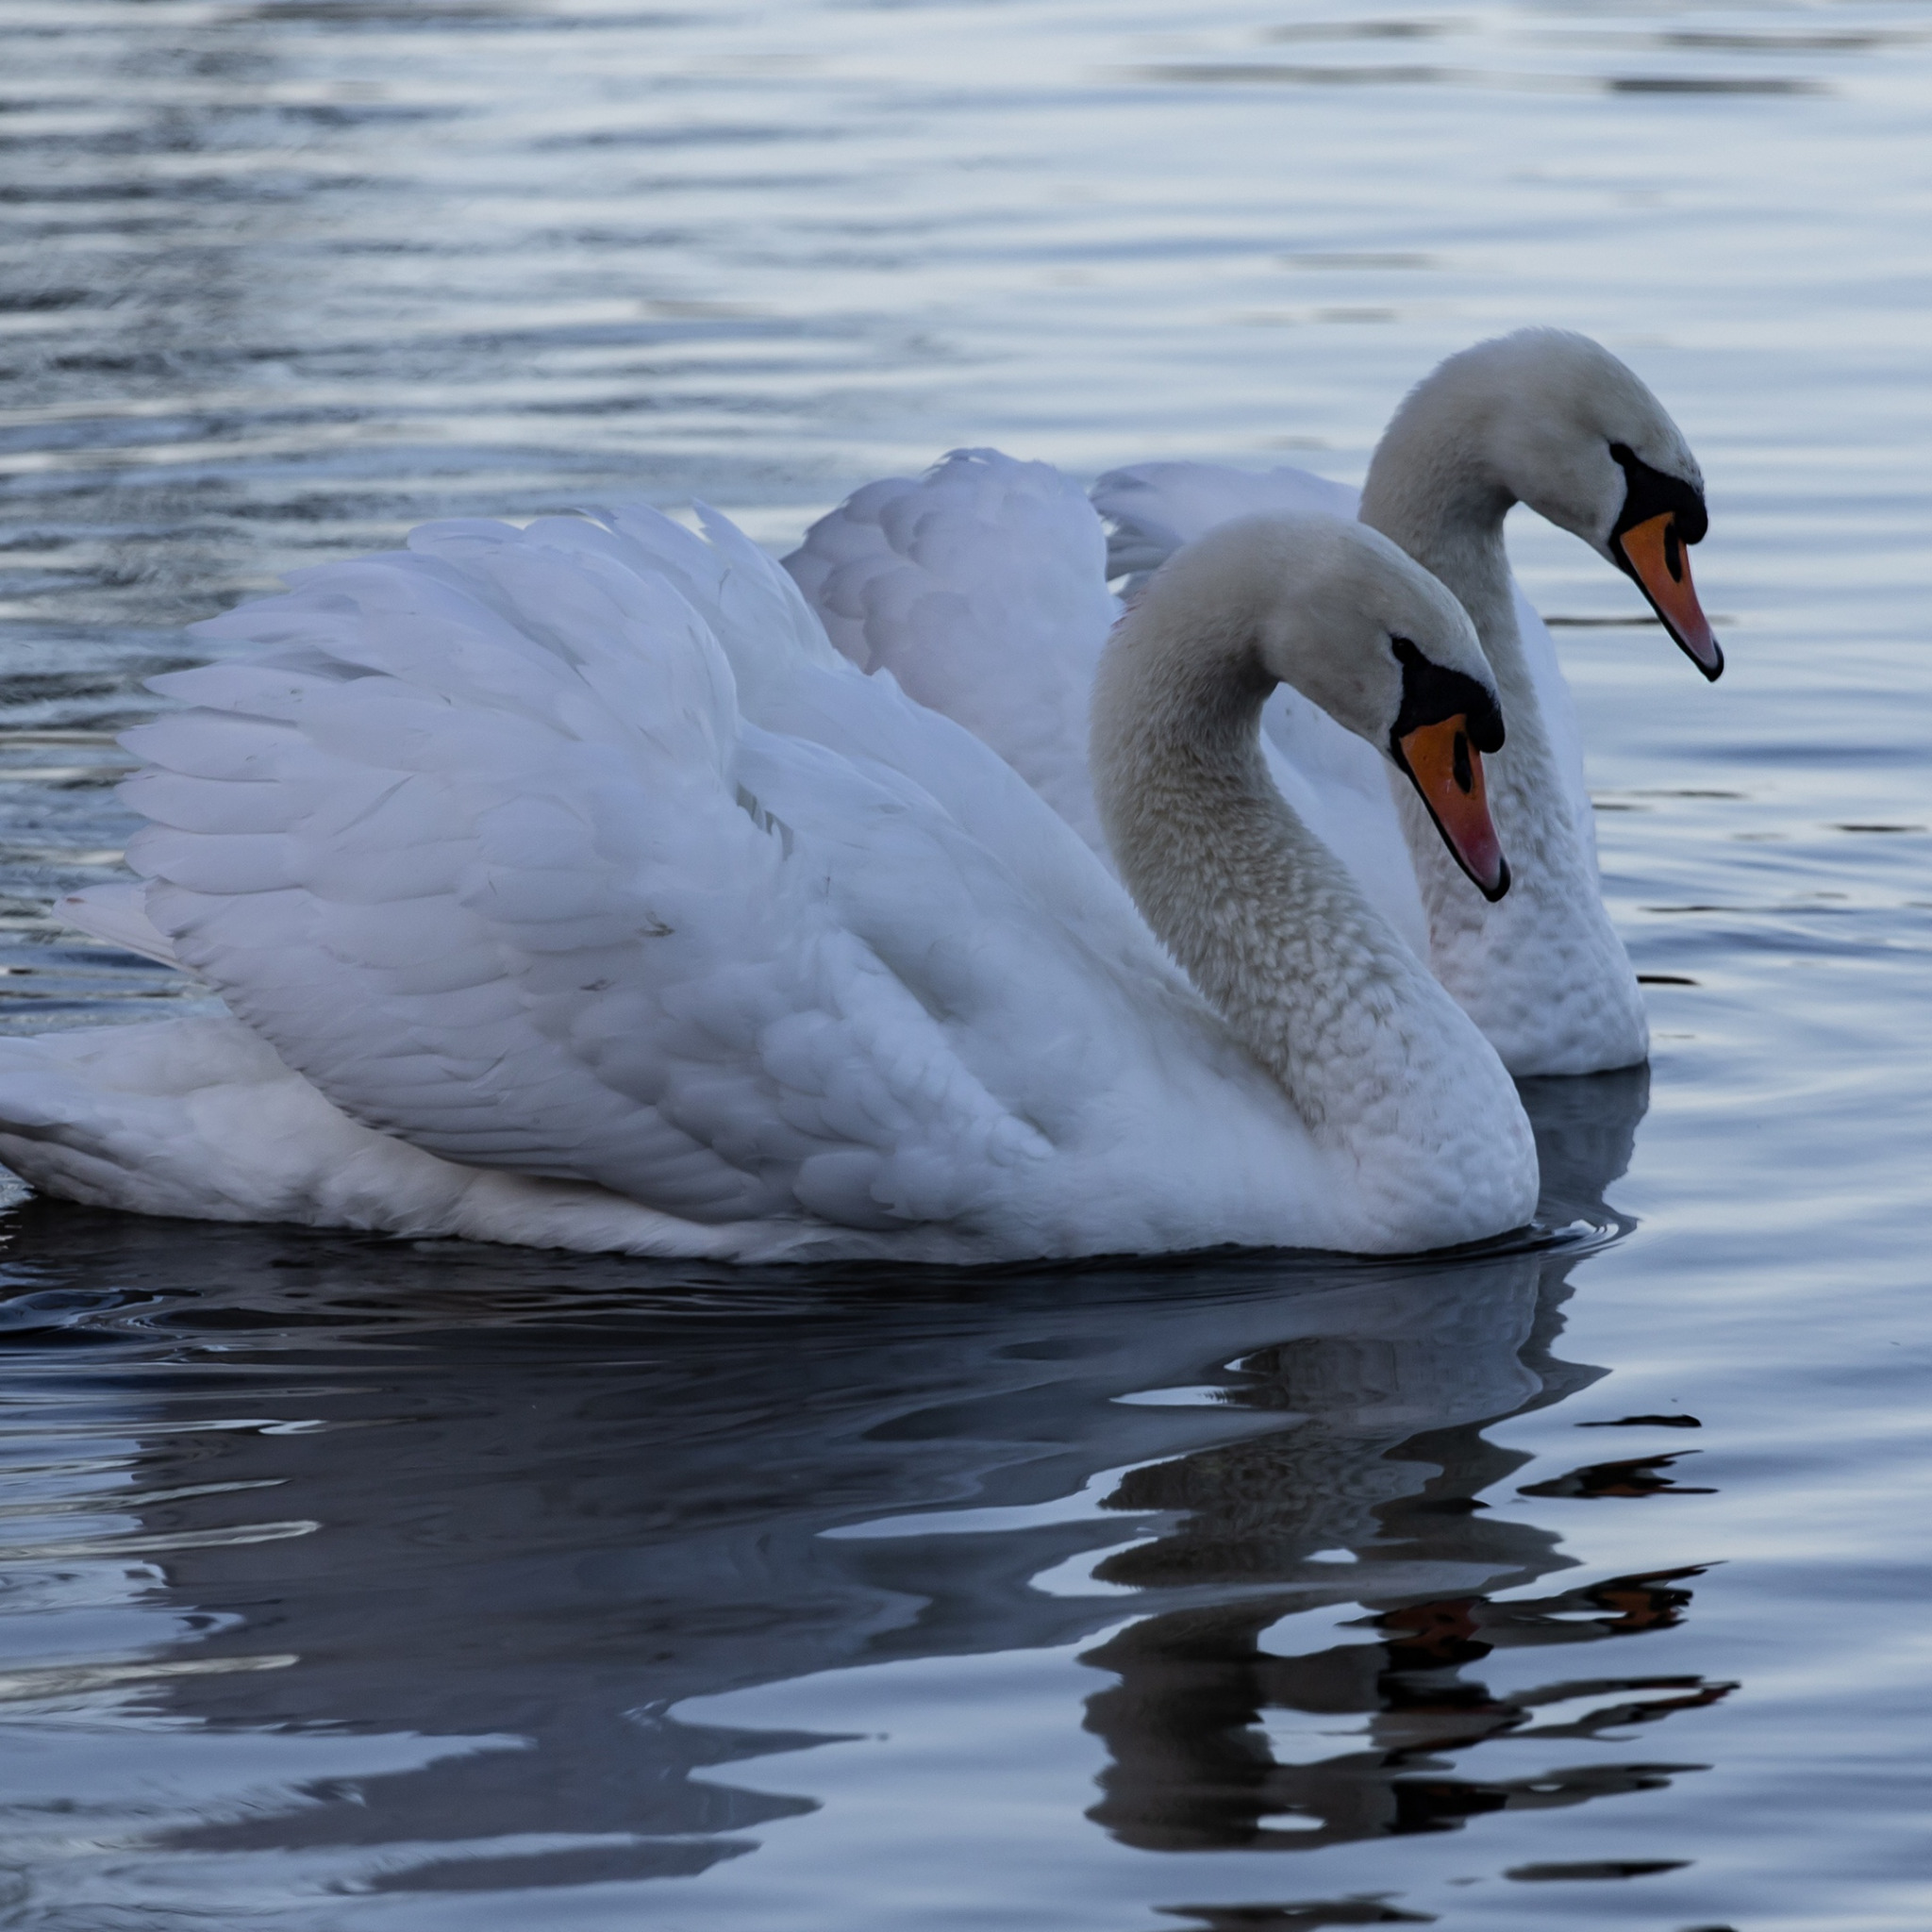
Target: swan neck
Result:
[1432, 490]
[1254, 908]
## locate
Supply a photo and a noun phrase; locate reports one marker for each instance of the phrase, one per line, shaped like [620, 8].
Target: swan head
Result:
[1554, 420]
[1340, 614]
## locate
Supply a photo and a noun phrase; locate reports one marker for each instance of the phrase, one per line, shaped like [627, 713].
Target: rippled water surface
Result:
[358, 1584]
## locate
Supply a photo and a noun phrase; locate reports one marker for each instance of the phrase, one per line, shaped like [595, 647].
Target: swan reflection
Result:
[1388, 1460]
[496, 1521]
[1194, 1764]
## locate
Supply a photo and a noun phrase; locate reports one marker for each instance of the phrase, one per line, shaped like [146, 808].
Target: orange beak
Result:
[1655, 553]
[1447, 769]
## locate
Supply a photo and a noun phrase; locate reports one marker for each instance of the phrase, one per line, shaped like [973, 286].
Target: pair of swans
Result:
[565, 886]
[980, 588]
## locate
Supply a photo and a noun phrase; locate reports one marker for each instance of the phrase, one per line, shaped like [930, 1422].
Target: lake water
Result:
[352, 1586]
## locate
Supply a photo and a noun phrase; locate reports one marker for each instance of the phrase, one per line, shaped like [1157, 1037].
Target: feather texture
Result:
[566, 885]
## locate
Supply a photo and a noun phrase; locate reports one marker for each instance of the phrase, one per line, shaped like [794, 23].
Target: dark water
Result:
[353, 1585]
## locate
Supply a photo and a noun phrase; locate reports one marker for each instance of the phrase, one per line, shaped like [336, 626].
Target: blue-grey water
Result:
[351, 1586]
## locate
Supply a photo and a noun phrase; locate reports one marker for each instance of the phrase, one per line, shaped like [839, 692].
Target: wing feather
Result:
[981, 588]
[476, 837]
[1152, 508]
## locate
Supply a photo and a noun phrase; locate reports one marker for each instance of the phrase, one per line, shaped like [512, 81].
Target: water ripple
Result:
[645, 1589]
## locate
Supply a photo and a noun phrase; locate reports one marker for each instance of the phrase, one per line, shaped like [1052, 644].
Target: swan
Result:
[564, 886]
[981, 586]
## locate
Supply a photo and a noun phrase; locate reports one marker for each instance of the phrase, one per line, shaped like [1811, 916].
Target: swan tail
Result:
[981, 588]
[190, 1118]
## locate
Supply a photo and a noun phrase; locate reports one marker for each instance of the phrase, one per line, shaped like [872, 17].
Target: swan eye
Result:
[1432, 693]
[1649, 493]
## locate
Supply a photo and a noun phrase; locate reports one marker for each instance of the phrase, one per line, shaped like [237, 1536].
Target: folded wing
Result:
[982, 588]
[480, 838]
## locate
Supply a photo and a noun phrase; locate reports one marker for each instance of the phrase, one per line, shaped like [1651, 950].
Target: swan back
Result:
[981, 586]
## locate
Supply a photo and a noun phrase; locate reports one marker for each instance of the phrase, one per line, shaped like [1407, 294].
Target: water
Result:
[354, 1585]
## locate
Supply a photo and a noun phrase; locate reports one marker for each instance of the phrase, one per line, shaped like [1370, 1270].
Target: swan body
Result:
[565, 886]
[1534, 417]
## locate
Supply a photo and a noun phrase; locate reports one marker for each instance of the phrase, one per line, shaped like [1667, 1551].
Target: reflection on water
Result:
[1386, 1462]
[1192, 1730]
[534, 1525]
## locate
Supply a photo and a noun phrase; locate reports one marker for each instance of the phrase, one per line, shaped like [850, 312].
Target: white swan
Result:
[978, 585]
[566, 887]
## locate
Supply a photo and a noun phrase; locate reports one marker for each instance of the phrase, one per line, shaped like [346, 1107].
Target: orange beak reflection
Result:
[1657, 556]
[1447, 769]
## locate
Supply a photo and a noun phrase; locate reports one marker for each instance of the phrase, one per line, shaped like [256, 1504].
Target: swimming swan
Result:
[980, 586]
[566, 887]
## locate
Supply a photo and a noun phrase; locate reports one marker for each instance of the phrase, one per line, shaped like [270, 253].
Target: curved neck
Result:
[1432, 490]
[1264, 918]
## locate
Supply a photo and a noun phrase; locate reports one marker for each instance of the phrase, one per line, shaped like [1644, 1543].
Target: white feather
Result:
[981, 588]
[118, 914]
[566, 886]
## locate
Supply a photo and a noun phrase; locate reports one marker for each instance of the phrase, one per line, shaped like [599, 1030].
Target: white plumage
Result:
[982, 589]
[566, 886]
[1152, 509]
[977, 581]
[982, 586]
